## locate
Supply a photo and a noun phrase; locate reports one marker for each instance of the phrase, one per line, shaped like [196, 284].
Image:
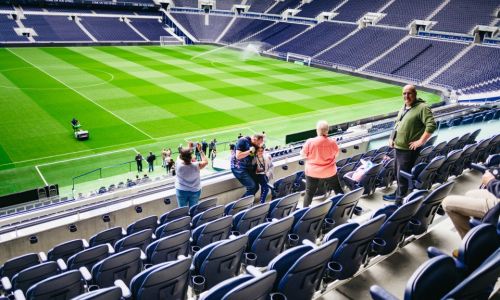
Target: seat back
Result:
[396, 225]
[369, 179]
[433, 279]
[220, 260]
[63, 286]
[439, 149]
[427, 211]
[480, 283]
[208, 215]
[462, 141]
[300, 273]
[284, 206]
[342, 211]
[477, 245]
[342, 162]
[88, 257]
[354, 243]
[467, 155]
[444, 171]
[283, 186]
[268, 240]
[202, 206]
[482, 150]
[426, 178]
[235, 207]
[110, 293]
[387, 175]
[168, 248]
[473, 136]
[150, 222]
[212, 231]
[29, 276]
[136, 240]
[344, 170]
[173, 227]
[174, 214]
[451, 145]
[108, 236]
[424, 155]
[309, 221]
[123, 265]
[244, 220]
[65, 250]
[17, 264]
[167, 280]
[244, 287]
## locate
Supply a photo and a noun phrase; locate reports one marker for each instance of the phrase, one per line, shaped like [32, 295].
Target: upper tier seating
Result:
[353, 10]
[226, 4]
[152, 29]
[402, 12]
[109, 29]
[203, 31]
[55, 28]
[278, 33]
[243, 28]
[314, 8]
[7, 33]
[282, 5]
[259, 6]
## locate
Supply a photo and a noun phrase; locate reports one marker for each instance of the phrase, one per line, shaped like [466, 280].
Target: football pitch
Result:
[145, 98]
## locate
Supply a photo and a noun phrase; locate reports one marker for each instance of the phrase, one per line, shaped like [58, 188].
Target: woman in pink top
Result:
[320, 153]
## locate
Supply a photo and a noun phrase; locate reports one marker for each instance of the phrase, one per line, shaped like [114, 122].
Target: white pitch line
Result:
[85, 157]
[79, 93]
[191, 138]
[41, 176]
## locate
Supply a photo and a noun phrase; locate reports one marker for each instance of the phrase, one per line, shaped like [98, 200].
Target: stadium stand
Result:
[243, 28]
[110, 29]
[277, 34]
[280, 6]
[402, 12]
[7, 33]
[314, 8]
[149, 28]
[55, 28]
[258, 5]
[353, 10]
[227, 4]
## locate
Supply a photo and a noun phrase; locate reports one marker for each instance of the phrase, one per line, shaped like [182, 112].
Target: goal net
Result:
[169, 40]
[298, 59]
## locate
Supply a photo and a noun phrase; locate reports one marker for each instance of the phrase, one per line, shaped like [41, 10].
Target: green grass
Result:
[147, 98]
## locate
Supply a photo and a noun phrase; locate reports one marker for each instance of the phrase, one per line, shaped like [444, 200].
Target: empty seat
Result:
[343, 207]
[444, 171]
[368, 181]
[88, 257]
[219, 261]
[244, 220]
[174, 214]
[123, 265]
[253, 285]
[308, 221]
[422, 175]
[66, 249]
[482, 150]
[473, 136]
[300, 269]
[282, 207]
[173, 227]
[425, 155]
[344, 170]
[208, 215]
[110, 293]
[387, 174]
[202, 206]
[235, 207]
[356, 241]
[467, 159]
[29, 276]
[17, 264]
[268, 240]
[150, 222]
[167, 280]
[283, 186]
[61, 287]
[109, 236]
[212, 231]
[139, 239]
[168, 248]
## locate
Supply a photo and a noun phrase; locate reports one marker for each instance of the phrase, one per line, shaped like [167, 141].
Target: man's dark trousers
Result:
[405, 160]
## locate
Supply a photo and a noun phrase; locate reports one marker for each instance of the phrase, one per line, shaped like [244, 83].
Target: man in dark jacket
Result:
[151, 159]
[138, 160]
[414, 126]
[475, 203]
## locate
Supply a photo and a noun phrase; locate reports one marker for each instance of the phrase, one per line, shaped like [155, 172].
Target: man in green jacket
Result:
[414, 126]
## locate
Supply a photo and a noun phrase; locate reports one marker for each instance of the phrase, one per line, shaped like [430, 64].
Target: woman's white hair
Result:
[322, 128]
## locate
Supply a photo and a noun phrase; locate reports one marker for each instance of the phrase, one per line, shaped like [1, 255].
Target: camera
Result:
[495, 172]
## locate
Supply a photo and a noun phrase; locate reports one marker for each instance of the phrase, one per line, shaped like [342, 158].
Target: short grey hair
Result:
[322, 128]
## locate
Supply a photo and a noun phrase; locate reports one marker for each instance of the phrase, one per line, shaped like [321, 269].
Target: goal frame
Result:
[294, 57]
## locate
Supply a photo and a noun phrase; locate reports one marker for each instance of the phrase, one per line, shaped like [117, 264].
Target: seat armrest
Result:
[379, 293]
[61, 264]
[433, 252]
[111, 250]
[43, 256]
[18, 295]
[85, 243]
[406, 175]
[143, 255]
[309, 243]
[473, 222]
[350, 180]
[6, 284]
[85, 273]
[125, 290]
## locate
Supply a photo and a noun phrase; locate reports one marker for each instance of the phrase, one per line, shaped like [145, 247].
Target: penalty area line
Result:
[88, 156]
[41, 176]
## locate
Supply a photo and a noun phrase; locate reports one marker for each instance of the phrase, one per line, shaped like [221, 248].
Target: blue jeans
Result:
[186, 198]
[151, 167]
[264, 189]
[245, 177]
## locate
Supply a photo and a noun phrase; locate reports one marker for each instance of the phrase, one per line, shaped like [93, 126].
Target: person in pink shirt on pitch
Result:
[320, 153]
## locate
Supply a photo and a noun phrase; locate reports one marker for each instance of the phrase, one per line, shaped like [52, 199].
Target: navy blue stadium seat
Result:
[235, 207]
[356, 241]
[208, 215]
[63, 286]
[66, 249]
[301, 269]
[342, 162]
[308, 221]
[422, 175]
[368, 181]
[430, 141]
[439, 150]
[482, 151]
[150, 222]
[445, 170]
[451, 145]
[378, 158]
[17, 264]
[494, 145]
[212, 231]
[268, 240]
[174, 214]
[351, 166]
[343, 207]
[369, 154]
[356, 158]
[168, 280]
[173, 227]
[282, 207]
[430, 206]
[462, 141]
[384, 149]
[202, 206]
[387, 174]
[467, 157]
[283, 186]
[249, 218]
[89, 257]
[123, 265]
[425, 155]
[110, 293]
[109, 236]
[29, 276]
[473, 136]
[397, 224]
[219, 261]
[139, 239]
[168, 248]
[300, 184]
[252, 285]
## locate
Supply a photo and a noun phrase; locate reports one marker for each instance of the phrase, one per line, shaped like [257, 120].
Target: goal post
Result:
[298, 59]
[166, 40]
